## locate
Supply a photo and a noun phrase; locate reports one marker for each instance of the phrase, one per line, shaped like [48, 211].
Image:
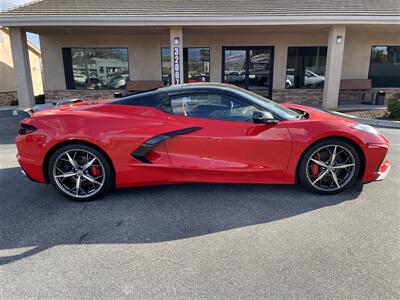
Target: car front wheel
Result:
[80, 172]
[329, 167]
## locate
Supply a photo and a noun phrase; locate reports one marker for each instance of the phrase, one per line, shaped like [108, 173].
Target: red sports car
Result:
[196, 133]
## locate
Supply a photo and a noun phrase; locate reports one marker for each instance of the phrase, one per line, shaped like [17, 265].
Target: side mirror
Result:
[265, 117]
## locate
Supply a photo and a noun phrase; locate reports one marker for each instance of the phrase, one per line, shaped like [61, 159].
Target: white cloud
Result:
[6, 4]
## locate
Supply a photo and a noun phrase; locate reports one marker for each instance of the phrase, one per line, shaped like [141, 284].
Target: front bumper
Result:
[375, 163]
[383, 170]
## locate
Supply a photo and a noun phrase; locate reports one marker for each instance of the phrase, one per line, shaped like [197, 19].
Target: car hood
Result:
[318, 113]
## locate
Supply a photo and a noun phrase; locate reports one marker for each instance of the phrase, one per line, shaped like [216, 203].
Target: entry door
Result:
[249, 67]
[220, 141]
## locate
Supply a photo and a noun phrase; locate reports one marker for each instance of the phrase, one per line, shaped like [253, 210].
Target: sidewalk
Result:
[359, 107]
[8, 108]
[340, 111]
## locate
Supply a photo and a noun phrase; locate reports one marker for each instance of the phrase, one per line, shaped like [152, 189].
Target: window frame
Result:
[247, 49]
[221, 93]
[161, 65]
[68, 66]
[185, 68]
[369, 67]
[294, 72]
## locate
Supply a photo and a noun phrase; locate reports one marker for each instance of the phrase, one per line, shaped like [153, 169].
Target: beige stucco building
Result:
[8, 88]
[340, 51]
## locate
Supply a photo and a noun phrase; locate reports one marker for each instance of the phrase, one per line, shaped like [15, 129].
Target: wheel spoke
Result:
[343, 166]
[318, 162]
[78, 185]
[334, 155]
[88, 164]
[64, 175]
[71, 161]
[320, 177]
[335, 179]
[91, 179]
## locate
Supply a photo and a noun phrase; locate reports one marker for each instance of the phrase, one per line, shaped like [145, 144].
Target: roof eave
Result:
[107, 20]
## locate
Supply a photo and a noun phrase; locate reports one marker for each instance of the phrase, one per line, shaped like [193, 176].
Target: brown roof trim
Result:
[184, 21]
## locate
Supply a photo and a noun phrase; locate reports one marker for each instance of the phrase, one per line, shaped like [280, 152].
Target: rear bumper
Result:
[31, 169]
[27, 175]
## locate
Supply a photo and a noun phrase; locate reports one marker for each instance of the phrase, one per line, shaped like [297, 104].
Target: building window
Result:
[196, 65]
[96, 68]
[384, 68]
[306, 67]
[166, 66]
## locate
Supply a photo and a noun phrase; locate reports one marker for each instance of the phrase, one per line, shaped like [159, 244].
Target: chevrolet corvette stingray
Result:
[195, 133]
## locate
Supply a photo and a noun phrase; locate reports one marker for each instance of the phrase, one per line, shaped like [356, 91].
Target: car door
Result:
[221, 143]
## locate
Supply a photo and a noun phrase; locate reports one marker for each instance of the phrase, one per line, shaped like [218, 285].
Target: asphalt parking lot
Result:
[198, 241]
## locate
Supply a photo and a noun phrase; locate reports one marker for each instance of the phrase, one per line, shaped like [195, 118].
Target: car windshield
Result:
[275, 108]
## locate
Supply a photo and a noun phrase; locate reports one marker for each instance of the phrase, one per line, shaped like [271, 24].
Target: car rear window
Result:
[151, 99]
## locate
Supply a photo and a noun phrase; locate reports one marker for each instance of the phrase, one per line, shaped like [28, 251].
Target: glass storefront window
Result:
[384, 68]
[196, 65]
[235, 67]
[100, 68]
[166, 66]
[249, 67]
[306, 67]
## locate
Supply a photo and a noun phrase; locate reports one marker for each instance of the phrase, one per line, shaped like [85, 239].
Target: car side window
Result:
[212, 106]
[149, 99]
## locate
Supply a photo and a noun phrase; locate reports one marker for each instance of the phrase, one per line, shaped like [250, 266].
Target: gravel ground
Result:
[381, 114]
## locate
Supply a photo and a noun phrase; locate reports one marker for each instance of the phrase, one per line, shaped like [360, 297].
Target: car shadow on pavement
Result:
[34, 217]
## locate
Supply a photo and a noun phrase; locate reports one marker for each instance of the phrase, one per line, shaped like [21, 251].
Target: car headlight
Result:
[366, 128]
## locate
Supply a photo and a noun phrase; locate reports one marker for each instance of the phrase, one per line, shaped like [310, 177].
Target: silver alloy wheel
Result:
[330, 168]
[79, 173]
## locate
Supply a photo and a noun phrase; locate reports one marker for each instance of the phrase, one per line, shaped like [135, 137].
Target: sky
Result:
[6, 4]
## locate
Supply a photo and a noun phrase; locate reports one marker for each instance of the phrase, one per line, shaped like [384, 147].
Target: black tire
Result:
[304, 170]
[102, 165]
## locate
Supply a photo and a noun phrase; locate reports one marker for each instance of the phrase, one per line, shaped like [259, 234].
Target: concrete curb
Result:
[373, 122]
[8, 108]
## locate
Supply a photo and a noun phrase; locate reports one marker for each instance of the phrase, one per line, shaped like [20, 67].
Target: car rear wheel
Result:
[329, 167]
[80, 172]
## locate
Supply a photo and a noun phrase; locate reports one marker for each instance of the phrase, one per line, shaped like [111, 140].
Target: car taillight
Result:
[25, 129]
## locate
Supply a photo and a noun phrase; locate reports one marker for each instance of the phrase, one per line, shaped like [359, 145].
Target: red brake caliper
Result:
[95, 171]
[314, 167]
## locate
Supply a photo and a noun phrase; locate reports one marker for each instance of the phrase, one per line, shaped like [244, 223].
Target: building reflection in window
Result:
[100, 68]
[306, 67]
[384, 68]
[196, 65]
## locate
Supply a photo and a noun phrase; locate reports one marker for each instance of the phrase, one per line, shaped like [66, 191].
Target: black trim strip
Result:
[141, 152]
[68, 72]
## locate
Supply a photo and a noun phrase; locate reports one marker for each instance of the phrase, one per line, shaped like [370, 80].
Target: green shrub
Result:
[40, 99]
[14, 102]
[394, 106]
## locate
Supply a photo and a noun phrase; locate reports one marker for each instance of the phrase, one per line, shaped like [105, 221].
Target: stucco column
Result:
[334, 62]
[176, 45]
[22, 69]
